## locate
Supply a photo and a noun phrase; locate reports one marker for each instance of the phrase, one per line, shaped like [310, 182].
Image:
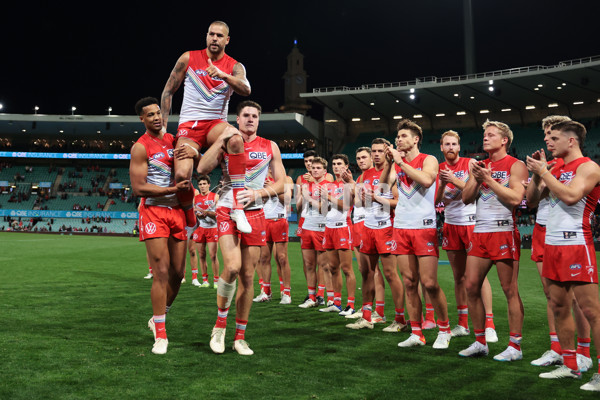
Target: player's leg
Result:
[333, 264]
[409, 269]
[213, 248]
[475, 273]
[264, 271]
[149, 275]
[183, 171]
[552, 356]
[368, 265]
[177, 253]
[428, 269]
[309, 256]
[193, 252]
[159, 259]
[203, 263]
[458, 263]
[508, 274]
[587, 298]
[346, 266]
[583, 329]
[243, 301]
[281, 256]
[486, 297]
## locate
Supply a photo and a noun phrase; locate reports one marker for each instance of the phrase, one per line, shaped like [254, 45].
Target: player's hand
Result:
[366, 195]
[247, 197]
[184, 151]
[446, 175]
[536, 163]
[183, 186]
[347, 176]
[213, 71]
[308, 177]
[480, 172]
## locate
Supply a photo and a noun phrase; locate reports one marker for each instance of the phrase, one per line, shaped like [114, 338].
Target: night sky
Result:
[99, 54]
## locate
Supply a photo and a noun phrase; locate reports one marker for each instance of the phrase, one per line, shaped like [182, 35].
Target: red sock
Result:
[194, 274]
[399, 317]
[267, 288]
[463, 316]
[287, 291]
[416, 328]
[321, 291]
[489, 321]
[186, 200]
[337, 299]
[260, 284]
[554, 343]
[480, 336]
[236, 168]
[367, 311]
[222, 317]
[159, 326]
[570, 359]
[240, 329]
[281, 286]
[429, 313]
[443, 326]
[583, 346]
[330, 295]
[515, 340]
[311, 293]
[215, 279]
[380, 308]
[350, 302]
[150, 269]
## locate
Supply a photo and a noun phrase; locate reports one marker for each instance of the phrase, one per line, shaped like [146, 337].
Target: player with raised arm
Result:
[569, 265]
[210, 77]
[457, 231]
[496, 185]
[415, 231]
[241, 251]
[161, 219]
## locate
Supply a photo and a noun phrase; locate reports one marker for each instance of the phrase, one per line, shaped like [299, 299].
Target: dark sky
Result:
[98, 54]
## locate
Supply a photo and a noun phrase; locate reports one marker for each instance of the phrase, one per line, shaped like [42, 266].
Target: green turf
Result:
[74, 319]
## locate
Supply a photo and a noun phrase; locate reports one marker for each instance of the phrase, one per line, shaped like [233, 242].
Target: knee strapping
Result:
[226, 290]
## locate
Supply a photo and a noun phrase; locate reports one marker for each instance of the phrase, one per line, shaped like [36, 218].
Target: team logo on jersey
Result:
[201, 72]
[150, 228]
[195, 236]
[391, 245]
[590, 270]
[257, 155]
[224, 226]
[158, 156]
[182, 132]
[470, 247]
[444, 241]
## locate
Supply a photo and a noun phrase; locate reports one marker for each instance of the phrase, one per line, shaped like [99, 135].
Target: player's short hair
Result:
[411, 126]
[363, 148]
[248, 103]
[309, 153]
[220, 23]
[144, 102]
[204, 177]
[572, 127]
[450, 133]
[553, 120]
[380, 140]
[320, 160]
[342, 157]
[503, 128]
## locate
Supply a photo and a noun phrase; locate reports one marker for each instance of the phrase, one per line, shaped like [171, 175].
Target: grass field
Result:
[74, 319]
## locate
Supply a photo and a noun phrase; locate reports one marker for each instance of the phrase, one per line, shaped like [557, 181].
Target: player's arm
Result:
[387, 177]
[138, 174]
[299, 198]
[471, 189]
[425, 177]
[288, 192]
[212, 212]
[439, 193]
[385, 201]
[512, 195]
[586, 178]
[177, 76]
[237, 80]
[329, 177]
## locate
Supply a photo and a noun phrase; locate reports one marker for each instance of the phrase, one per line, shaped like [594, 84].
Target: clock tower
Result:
[295, 82]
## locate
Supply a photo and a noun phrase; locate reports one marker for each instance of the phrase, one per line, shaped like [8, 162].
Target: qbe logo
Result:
[257, 155]
[223, 226]
[150, 228]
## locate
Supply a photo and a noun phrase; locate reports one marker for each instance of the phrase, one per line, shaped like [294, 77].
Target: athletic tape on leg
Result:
[226, 290]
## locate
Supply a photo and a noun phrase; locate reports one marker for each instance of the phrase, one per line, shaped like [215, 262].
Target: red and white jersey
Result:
[377, 216]
[259, 153]
[207, 203]
[314, 220]
[205, 98]
[416, 203]
[543, 210]
[568, 225]
[160, 167]
[336, 218]
[455, 211]
[491, 214]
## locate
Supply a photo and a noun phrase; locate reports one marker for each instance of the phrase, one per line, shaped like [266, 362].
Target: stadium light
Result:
[461, 113]
[109, 109]
[576, 103]
[1, 106]
[440, 115]
[484, 111]
[564, 84]
[540, 85]
[397, 101]
[472, 97]
[506, 109]
[417, 116]
[331, 120]
[530, 107]
[552, 105]
[491, 88]
[397, 116]
[35, 109]
[372, 103]
[412, 90]
[559, 87]
[455, 94]
[375, 119]
[355, 119]
[412, 96]
[491, 82]
[536, 89]
[73, 109]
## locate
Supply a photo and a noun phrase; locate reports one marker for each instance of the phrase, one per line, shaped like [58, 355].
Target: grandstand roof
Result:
[565, 86]
[272, 125]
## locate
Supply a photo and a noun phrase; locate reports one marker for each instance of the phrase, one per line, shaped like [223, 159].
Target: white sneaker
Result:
[593, 385]
[285, 299]
[360, 324]
[347, 311]
[561, 372]
[331, 308]
[160, 346]
[149, 276]
[584, 363]
[217, 340]
[442, 341]
[490, 335]
[376, 318]
[329, 303]
[241, 346]
[459, 331]
[239, 217]
[152, 327]
[205, 284]
[476, 349]
[396, 327]
[550, 357]
[195, 282]
[412, 341]
[510, 354]
[355, 315]
[262, 298]
[308, 304]
[183, 280]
